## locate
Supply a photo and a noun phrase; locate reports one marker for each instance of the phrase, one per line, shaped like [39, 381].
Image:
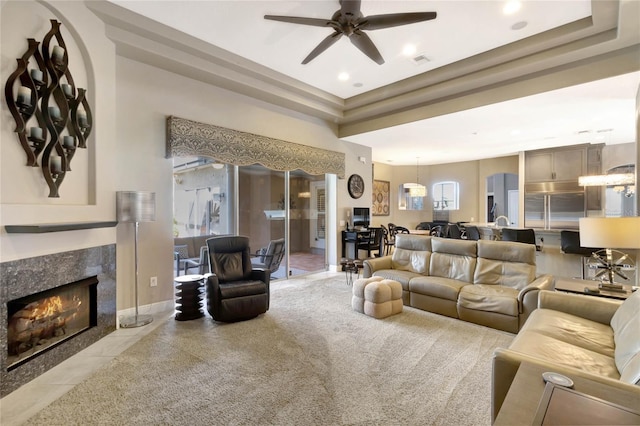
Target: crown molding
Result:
[605, 45]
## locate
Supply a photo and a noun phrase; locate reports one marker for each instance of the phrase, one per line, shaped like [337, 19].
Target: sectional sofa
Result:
[581, 337]
[492, 283]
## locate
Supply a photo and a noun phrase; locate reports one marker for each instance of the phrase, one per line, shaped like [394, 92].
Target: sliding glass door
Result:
[266, 205]
[289, 205]
[308, 220]
[262, 209]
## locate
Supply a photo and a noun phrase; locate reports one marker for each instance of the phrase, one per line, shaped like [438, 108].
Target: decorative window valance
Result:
[191, 138]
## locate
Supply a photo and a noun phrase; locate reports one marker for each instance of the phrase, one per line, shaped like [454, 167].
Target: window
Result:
[406, 201]
[446, 196]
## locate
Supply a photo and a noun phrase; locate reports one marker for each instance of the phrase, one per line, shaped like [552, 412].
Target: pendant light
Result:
[415, 189]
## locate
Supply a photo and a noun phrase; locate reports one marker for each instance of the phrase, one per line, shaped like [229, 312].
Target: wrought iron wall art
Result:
[52, 116]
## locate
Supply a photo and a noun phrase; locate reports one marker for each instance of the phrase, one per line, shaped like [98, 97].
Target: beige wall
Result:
[87, 193]
[471, 175]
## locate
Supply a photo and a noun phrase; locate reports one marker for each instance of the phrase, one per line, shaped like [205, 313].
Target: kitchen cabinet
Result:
[562, 164]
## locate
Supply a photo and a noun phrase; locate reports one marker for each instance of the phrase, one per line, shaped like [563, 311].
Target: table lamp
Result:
[613, 233]
[135, 207]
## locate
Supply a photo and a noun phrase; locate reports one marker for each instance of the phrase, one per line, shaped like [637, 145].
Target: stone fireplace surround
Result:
[23, 277]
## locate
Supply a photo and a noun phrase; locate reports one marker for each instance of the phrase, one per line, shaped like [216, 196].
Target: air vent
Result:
[421, 59]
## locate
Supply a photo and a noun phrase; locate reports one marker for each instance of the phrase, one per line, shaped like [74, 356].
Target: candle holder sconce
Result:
[45, 105]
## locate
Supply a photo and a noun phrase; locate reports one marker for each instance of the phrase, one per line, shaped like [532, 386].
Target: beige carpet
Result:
[311, 360]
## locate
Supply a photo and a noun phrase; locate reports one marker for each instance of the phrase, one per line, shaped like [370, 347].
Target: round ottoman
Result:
[377, 297]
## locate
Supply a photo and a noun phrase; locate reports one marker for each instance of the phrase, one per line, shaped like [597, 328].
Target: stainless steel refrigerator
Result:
[553, 206]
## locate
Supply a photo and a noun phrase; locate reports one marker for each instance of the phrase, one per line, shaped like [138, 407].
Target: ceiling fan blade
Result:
[366, 46]
[324, 45]
[377, 22]
[315, 22]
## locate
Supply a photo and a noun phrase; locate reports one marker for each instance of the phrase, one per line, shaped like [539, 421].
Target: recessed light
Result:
[343, 76]
[357, 84]
[511, 7]
[519, 25]
[409, 49]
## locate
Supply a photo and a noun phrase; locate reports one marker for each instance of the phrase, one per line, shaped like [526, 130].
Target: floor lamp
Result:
[135, 207]
[612, 233]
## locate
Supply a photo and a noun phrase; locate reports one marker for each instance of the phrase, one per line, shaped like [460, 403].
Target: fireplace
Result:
[78, 288]
[39, 322]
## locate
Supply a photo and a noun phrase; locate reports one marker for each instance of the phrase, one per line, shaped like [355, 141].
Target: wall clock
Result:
[355, 185]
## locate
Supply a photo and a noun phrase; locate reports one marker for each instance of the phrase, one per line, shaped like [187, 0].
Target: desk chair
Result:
[372, 242]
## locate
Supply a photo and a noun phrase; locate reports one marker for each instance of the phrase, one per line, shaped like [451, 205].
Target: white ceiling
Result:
[601, 111]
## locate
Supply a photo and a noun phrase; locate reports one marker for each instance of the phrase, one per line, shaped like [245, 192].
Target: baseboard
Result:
[154, 308]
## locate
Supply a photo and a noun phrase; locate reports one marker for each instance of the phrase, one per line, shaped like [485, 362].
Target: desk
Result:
[526, 391]
[352, 237]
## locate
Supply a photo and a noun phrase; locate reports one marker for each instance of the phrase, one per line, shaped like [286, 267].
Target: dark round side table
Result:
[189, 297]
[351, 266]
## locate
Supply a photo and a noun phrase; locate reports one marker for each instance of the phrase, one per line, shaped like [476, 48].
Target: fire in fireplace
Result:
[41, 321]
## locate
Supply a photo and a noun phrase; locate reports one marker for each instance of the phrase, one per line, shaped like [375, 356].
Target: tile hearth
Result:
[25, 402]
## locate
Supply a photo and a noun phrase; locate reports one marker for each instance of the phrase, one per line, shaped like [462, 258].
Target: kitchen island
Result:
[550, 259]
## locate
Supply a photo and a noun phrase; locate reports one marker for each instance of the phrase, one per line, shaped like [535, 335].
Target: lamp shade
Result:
[136, 206]
[610, 232]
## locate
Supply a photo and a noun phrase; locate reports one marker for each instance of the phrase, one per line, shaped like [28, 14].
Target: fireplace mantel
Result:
[41, 228]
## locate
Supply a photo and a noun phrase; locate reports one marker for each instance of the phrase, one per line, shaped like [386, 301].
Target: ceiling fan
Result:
[349, 21]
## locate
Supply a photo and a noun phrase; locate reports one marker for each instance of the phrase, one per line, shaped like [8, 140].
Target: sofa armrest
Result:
[505, 365]
[597, 309]
[528, 296]
[375, 264]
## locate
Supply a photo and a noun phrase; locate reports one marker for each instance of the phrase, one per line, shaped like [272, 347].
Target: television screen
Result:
[361, 216]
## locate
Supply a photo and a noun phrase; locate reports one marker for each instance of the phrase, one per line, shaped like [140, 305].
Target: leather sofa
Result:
[578, 336]
[492, 283]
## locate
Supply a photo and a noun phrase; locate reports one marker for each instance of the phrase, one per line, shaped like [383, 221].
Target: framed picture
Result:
[381, 190]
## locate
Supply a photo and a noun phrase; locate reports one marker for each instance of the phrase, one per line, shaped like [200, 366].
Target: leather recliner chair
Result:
[235, 291]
